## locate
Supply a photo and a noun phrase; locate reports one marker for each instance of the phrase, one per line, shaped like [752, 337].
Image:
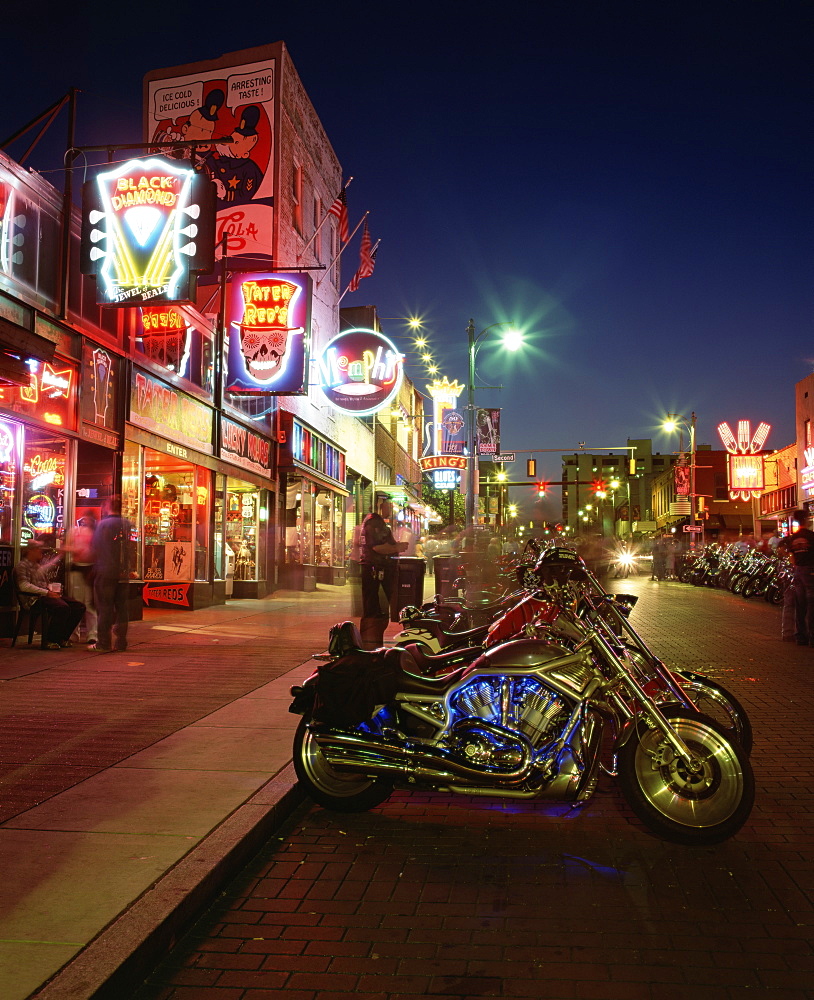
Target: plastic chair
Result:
[38, 612]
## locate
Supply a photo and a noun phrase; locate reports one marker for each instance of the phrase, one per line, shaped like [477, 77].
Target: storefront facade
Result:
[244, 504]
[312, 508]
[168, 487]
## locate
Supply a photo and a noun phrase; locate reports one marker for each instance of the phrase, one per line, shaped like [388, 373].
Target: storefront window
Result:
[220, 569]
[132, 478]
[299, 541]
[244, 535]
[201, 501]
[339, 530]
[9, 437]
[323, 528]
[43, 510]
[169, 518]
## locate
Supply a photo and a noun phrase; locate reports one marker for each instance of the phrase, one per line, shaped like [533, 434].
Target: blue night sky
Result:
[629, 183]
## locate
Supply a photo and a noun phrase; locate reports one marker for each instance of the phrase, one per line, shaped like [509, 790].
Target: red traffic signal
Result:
[598, 486]
[541, 488]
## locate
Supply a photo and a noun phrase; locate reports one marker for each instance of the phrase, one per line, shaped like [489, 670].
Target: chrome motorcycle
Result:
[527, 719]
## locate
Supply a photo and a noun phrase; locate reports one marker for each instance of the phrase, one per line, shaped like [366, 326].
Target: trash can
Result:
[447, 571]
[409, 588]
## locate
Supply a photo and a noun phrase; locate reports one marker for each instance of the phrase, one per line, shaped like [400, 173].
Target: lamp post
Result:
[512, 341]
[674, 422]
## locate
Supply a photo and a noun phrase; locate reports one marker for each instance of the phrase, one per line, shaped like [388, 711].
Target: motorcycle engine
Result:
[538, 712]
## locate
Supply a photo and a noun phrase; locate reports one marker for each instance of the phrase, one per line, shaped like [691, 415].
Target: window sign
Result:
[49, 396]
[160, 408]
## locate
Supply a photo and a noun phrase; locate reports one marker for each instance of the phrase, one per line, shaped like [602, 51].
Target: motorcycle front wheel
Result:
[688, 807]
[332, 789]
[716, 702]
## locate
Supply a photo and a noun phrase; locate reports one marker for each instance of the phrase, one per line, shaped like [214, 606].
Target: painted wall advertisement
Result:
[230, 109]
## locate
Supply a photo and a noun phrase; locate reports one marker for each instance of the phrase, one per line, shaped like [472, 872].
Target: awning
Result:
[19, 340]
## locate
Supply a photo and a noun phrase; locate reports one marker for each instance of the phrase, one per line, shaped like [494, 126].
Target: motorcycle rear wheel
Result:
[687, 808]
[332, 789]
[716, 702]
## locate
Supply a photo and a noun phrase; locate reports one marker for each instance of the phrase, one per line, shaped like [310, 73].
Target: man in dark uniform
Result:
[378, 568]
[800, 546]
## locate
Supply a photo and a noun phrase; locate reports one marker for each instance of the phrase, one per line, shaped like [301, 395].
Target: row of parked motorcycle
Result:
[539, 692]
[751, 574]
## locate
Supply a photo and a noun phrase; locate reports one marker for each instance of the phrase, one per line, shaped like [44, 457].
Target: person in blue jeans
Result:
[111, 578]
[800, 595]
[378, 568]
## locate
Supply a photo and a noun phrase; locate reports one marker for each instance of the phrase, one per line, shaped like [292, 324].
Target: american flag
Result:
[367, 260]
[340, 210]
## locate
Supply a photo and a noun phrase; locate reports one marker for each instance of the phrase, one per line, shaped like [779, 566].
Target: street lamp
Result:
[676, 422]
[512, 340]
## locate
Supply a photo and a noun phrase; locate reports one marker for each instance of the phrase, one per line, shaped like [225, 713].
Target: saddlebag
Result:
[349, 689]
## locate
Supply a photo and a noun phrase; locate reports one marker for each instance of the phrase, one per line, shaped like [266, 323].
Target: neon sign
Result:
[166, 337]
[360, 371]
[448, 424]
[40, 512]
[49, 396]
[745, 467]
[271, 314]
[6, 443]
[146, 226]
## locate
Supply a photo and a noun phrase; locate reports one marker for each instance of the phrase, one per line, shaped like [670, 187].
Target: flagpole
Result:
[372, 252]
[328, 268]
[324, 220]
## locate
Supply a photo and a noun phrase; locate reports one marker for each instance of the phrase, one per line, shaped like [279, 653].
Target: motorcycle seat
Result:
[436, 664]
[412, 684]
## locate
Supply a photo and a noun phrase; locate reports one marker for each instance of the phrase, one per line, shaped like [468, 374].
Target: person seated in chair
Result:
[34, 588]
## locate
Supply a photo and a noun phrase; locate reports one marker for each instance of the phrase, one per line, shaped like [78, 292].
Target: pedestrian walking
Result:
[378, 568]
[670, 559]
[111, 577]
[34, 587]
[659, 558]
[799, 597]
[79, 543]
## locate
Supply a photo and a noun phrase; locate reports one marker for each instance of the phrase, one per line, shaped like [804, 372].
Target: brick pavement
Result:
[132, 784]
[439, 895]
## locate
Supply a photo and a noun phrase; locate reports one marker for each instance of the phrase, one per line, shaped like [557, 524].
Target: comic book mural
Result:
[231, 111]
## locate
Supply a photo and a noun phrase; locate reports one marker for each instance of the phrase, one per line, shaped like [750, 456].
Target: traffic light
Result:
[541, 489]
[531, 467]
[598, 487]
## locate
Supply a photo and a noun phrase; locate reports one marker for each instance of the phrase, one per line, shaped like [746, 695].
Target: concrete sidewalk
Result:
[132, 784]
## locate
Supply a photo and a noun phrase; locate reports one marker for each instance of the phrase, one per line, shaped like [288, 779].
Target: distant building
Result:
[626, 508]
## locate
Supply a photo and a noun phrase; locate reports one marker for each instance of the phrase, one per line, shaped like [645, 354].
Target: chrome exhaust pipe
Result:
[375, 756]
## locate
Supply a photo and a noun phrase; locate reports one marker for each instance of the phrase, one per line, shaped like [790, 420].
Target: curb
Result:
[128, 949]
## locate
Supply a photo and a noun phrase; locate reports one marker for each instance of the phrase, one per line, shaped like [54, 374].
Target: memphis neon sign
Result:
[360, 371]
[146, 227]
[745, 465]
